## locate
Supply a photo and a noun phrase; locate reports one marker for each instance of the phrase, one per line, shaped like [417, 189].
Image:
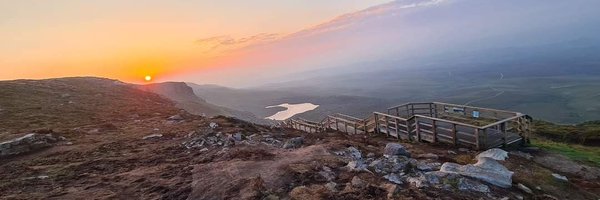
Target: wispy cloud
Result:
[373, 12]
[228, 43]
[224, 43]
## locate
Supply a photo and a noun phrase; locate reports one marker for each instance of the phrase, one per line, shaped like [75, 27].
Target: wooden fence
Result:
[479, 128]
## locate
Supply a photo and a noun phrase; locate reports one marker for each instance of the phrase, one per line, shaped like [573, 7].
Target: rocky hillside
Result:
[28, 105]
[185, 98]
[141, 146]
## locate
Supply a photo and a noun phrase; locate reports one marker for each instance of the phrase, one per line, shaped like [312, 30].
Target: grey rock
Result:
[237, 137]
[470, 185]
[327, 173]
[559, 177]
[27, 143]
[395, 149]
[418, 181]
[393, 164]
[519, 197]
[213, 125]
[294, 143]
[354, 153]
[524, 188]
[394, 178]
[331, 186]
[358, 183]
[428, 156]
[452, 152]
[175, 118]
[435, 178]
[424, 166]
[370, 155]
[357, 165]
[152, 136]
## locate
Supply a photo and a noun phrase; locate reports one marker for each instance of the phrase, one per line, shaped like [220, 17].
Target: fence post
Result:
[454, 137]
[365, 130]
[376, 129]
[408, 130]
[477, 145]
[387, 125]
[504, 134]
[434, 130]
[397, 128]
[418, 129]
[431, 113]
[346, 127]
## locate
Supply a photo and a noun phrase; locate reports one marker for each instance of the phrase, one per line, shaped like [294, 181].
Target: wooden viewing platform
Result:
[433, 122]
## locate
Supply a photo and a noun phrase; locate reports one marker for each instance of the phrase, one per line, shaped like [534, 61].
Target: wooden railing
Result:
[424, 122]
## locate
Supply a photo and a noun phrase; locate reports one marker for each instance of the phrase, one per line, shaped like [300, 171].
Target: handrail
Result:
[348, 116]
[519, 115]
[392, 116]
[410, 103]
[448, 121]
[478, 108]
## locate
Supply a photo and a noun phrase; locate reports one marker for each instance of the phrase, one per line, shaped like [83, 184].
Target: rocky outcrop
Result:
[27, 143]
[293, 143]
[395, 149]
[486, 169]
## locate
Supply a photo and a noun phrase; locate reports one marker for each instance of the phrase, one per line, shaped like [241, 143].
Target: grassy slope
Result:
[587, 133]
[586, 154]
[568, 139]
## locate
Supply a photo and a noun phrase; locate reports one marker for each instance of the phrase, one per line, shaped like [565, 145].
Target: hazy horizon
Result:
[43, 41]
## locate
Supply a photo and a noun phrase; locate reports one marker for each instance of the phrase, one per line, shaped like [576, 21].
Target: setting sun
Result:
[148, 78]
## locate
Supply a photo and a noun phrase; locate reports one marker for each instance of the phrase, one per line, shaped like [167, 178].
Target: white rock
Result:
[524, 188]
[152, 136]
[560, 177]
[486, 169]
[495, 153]
[213, 125]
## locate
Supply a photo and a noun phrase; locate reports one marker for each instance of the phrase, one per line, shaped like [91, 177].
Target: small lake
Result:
[291, 110]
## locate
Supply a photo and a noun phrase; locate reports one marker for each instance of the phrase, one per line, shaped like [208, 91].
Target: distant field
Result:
[559, 99]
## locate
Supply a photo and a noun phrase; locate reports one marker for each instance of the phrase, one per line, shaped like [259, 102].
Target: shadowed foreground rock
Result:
[27, 143]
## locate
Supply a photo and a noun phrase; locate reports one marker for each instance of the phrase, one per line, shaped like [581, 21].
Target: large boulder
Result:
[393, 164]
[395, 149]
[27, 143]
[486, 169]
[294, 143]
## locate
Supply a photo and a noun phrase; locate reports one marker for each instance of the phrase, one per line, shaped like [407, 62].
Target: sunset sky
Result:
[128, 40]
[249, 43]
